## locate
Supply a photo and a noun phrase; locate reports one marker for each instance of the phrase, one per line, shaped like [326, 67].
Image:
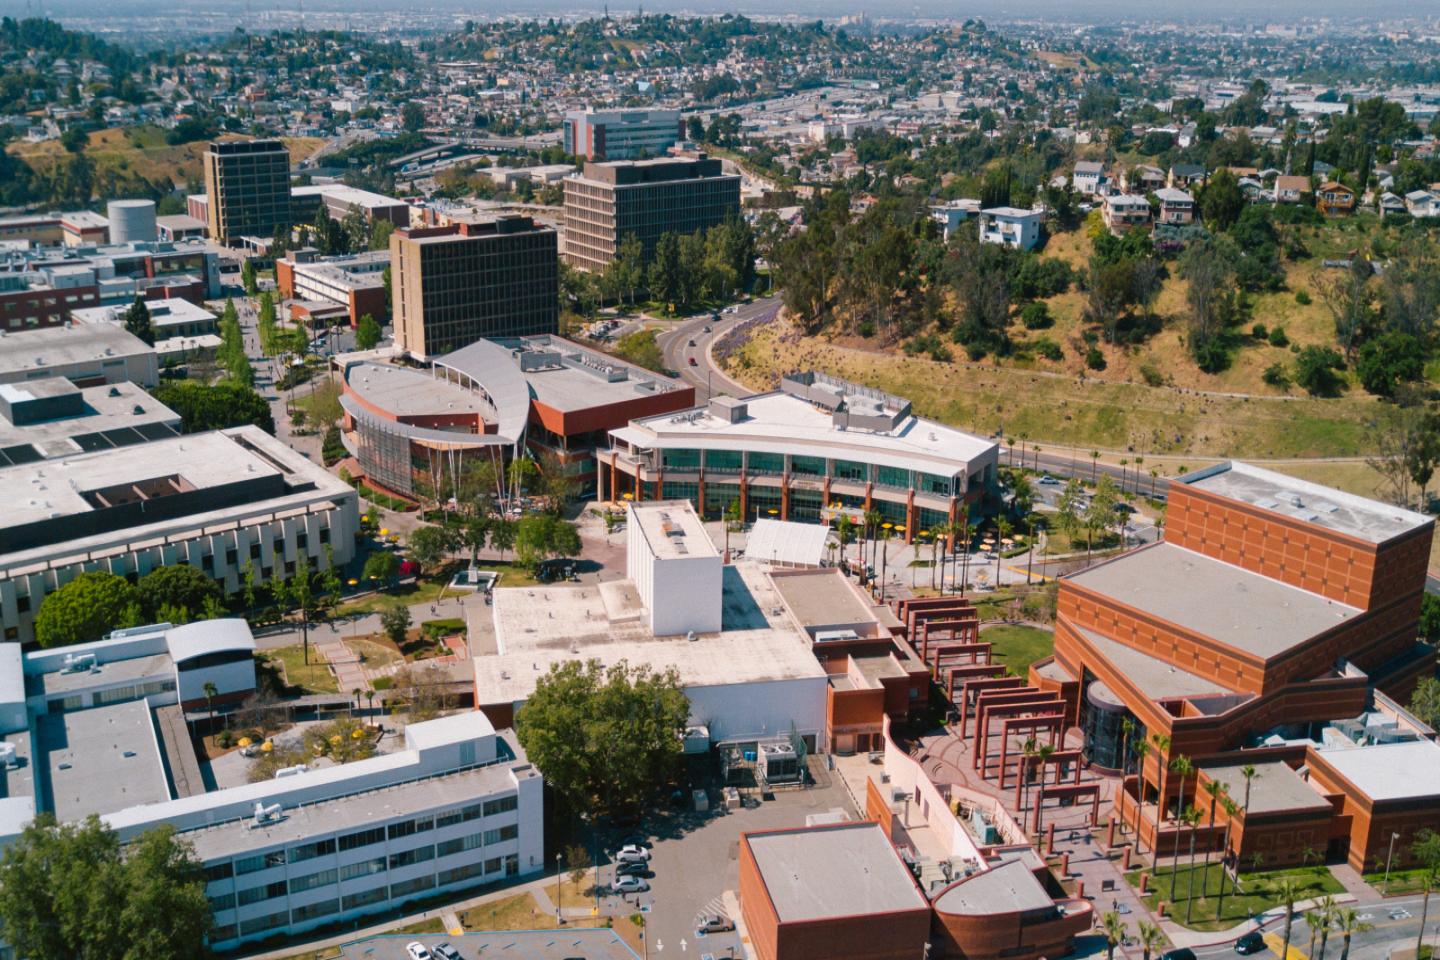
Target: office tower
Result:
[247, 187]
[648, 198]
[622, 134]
[451, 286]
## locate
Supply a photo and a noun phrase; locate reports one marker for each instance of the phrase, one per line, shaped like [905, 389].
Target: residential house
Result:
[1389, 203]
[1177, 208]
[1184, 175]
[1290, 189]
[1335, 199]
[1125, 212]
[1422, 203]
[1142, 179]
[1010, 226]
[1089, 178]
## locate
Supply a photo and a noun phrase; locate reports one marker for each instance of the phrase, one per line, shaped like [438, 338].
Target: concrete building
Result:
[213, 500]
[84, 353]
[337, 201]
[247, 189]
[451, 286]
[815, 447]
[169, 317]
[34, 300]
[51, 417]
[1125, 212]
[1010, 226]
[82, 228]
[1331, 586]
[132, 221]
[46, 283]
[1177, 208]
[355, 283]
[609, 201]
[676, 569]
[622, 134]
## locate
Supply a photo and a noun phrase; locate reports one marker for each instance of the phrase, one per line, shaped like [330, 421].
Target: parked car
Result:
[632, 852]
[443, 951]
[705, 329]
[417, 951]
[1250, 943]
[1049, 481]
[692, 343]
[692, 362]
[632, 868]
[1179, 953]
[629, 885]
[715, 924]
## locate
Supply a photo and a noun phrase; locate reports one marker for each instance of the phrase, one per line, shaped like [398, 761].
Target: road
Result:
[1393, 921]
[704, 376]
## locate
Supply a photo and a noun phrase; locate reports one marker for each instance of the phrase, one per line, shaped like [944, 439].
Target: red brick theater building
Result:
[1277, 626]
[414, 427]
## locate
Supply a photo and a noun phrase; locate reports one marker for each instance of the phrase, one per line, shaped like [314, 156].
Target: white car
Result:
[632, 853]
[417, 950]
[629, 885]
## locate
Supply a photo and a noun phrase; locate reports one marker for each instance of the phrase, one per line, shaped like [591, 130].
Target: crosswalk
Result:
[1276, 943]
[714, 907]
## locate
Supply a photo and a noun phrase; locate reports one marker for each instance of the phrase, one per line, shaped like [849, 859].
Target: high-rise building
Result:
[451, 286]
[622, 134]
[247, 189]
[648, 198]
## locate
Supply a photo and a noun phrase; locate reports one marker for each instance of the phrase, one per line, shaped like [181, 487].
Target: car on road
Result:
[1179, 953]
[417, 950]
[631, 853]
[704, 329]
[692, 343]
[629, 885]
[693, 363]
[443, 951]
[714, 923]
[1250, 943]
[1049, 481]
[732, 309]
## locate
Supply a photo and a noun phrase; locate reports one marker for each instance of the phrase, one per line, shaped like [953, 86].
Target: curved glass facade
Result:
[1101, 721]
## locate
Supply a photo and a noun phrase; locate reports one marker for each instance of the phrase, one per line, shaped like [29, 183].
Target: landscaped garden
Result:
[1258, 892]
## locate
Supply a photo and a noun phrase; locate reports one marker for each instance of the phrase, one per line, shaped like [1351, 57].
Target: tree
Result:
[1407, 449]
[1191, 818]
[215, 406]
[137, 321]
[1426, 851]
[1315, 368]
[1141, 750]
[1221, 201]
[429, 545]
[1152, 938]
[1287, 891]
[71, 890]
[211, 692]
[1348, 295]
[1389, 360]
[542, 536]
[412, 117]
[1350, 924]
[605, 737]
[381, 566]
[1328, 909]
[1212, 304]
[85, 609]
[1231, 809]
[395, 622]
[177, 587]
[1182, 768]
[1114, 930]
[367, 333]
[247, 278]
[1425, 701]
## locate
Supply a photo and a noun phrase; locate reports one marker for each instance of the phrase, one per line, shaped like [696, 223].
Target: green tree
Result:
[1425, 701]
[85, 609]
[381, 566]
[380, 232]
[542, 536]
[1221, 201]
[367, 333]
[412, 117]
[247, 278]
[72, 891]
[605, 737]
[1388, 361]
[430, 545]
[395, 622]
[178, 587]
[137, 321]
[1315, 371]
[215, 406]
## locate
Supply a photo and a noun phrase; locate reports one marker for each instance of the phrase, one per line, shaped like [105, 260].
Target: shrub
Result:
[1276, 376]
[1152, 375]
[332, 449]
[1036, 316]
[1049, 349]
[1259, 332]
[1278, 338]
[866, 329]
[1315, 371]
[1302, 297]
[1094, 359]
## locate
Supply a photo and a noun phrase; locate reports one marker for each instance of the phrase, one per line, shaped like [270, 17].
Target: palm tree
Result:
[1250, 774]
[211, 692]
[1162, 751]
[1426, 850]
[1216, 789]
[1114, 929]
[1127, 733]
[1182, 767]
[1094, 464]
[1141, 749]
[1027, 754]
[1328, 909]
[1192, 818]
[1350, 924]
[873, 519]
[1287, 892]
[1230, 809]
[1151, 938]
[356, 694]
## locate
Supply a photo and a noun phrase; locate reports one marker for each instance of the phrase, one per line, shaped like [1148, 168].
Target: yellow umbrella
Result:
[772, 511]
[357, 733]
[384, 531]
[267, 746]
[244, 742]
[352, 581]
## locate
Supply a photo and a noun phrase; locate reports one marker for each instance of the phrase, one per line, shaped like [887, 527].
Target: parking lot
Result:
[695, 860]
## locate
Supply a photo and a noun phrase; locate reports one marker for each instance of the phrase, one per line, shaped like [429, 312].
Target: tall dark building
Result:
[648, 198]
[451, 286]
[247, 188]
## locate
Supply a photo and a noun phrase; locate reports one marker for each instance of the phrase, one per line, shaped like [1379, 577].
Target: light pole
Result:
[559, 893]
[1385, 887]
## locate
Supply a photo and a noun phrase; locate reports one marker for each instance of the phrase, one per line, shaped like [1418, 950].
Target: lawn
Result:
[374, 650]
[423, 591]
[574, 894]
[1017, 646]
[1258, 892]
[289, 662]
[519, 912]
[1401, 881]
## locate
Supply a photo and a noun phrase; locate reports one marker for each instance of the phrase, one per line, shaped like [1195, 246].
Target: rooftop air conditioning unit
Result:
[264, 814]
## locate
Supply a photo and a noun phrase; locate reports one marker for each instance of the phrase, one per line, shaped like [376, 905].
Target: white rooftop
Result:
[167, 312]
[787, 542]
[1390, 771]
[671, 529]
[841, 871]
[60, 346]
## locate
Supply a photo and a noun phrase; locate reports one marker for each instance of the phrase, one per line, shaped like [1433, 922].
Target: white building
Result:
[85, 353]
[1011, 226]
[1089, 178]
[950, 215]
[675, 567]
[170, 317]
[621, 134]
[214, 500]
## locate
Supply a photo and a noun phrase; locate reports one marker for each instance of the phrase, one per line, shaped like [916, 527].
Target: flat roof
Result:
[191, 640]
[820, 598]
[61, 346]
[1307, 502]
[781, 423]
[1389, 771]
[99, 760]
[115, 415]
[1275, 788]
[1003, 888]
[606, 623]
[58, 682]
[672, 530]
[167, 312]
[584, 378]
[405, 391]
[837, 871]
[1156, 678]
[1245, 611]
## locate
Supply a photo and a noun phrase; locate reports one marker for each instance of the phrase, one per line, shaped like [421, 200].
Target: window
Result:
[364, 868]
[115, 695]
[254, 551]
[723, 460]
[456, 874]
[810, 466]
[362, 838]
[462, 815]
[323, 878]
[501, 805]
[268, 891]
[459, 845]
[407, 887]
[219, 871]
[220, 934]
[225, 901]
[680, 459]
[22, 604]
[503, 833]
[766, 463]
[312, 911]
[232, 556]
[492, 865]
[261, 924]
[406, 828]
[407, 858]
[893, 477]
[365, 898]
[850, 470]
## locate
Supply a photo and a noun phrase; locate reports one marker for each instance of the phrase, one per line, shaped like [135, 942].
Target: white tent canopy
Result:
[787, 544]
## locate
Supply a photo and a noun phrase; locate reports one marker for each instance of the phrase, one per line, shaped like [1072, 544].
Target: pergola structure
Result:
[961, 629]
[1008, 704]
[978, 683]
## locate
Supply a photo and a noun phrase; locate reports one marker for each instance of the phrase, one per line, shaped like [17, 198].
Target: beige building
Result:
[247, 189]
[451, 286]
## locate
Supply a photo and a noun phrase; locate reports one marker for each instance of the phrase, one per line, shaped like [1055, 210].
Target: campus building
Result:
[413, 426]
[336, 201]
[451, 286]
[622, 134]
[102, 728]
[86, 354]
[816, 446]
[609, 201]
[349, 286]
[217, 501]
[51, 417]
[247, 189]
[1276, 625]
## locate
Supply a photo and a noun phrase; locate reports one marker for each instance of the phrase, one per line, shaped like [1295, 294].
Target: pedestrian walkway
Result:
[1354, 885]
[349, 674]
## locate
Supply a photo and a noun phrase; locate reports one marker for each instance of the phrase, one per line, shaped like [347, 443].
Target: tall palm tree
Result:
[1027, 754]
[1328, 909]
[1182, 768]
[1230, 809]
[1192, 818]
[873, 519]
[1287, 891]
[1315, 922]
[211, 692]
[1114, 929]
[1250, 774]
[1141, 749]
[1216, 789]
[1127, 733]
[1350, 924]
[1151, 938]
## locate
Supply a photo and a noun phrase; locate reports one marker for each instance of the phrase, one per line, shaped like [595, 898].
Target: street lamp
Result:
[559, 892]
[1385, 887]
